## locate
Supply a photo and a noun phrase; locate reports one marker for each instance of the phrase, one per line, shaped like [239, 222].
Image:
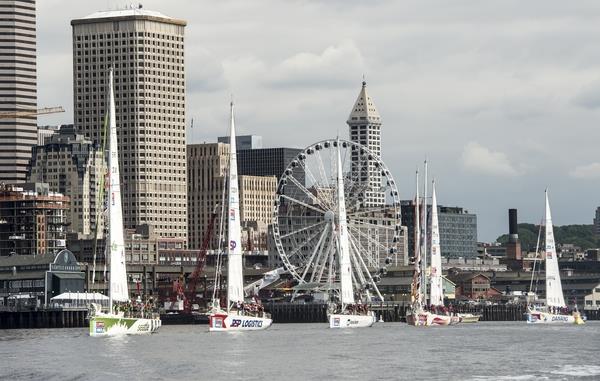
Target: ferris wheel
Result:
[305, 218]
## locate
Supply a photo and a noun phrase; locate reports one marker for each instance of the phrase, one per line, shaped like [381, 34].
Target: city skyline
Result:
[502, 103]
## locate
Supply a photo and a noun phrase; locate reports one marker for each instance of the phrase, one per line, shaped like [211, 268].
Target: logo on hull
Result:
[246, 323]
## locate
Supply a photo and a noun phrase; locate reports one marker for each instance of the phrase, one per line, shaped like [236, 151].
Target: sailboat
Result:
[115, 322]
[349, 315]
[238, 315]
[554, 310]
[418, 315]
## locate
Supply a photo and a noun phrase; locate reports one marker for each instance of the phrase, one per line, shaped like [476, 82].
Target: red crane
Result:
[199, 269]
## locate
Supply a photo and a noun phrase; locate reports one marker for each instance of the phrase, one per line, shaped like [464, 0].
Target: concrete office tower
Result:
[146, 50]
[71, 165]
[18, 88]
[365, 128]
[243, 142]
[207, 166]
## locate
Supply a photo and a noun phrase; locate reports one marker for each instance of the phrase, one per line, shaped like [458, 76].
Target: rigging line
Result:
[302, 203]
[303, 229]
[303, 189]
[314, 180]
[312, 256]
[305, 242]
[353, 243]
[320, 246]
[325, 257]
[100, 199]
[326, 182]
[537, 248]
[370, 239]
[219, 261]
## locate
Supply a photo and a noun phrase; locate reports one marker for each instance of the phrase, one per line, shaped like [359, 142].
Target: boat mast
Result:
[417, 295]
[424, 242]
[347, 294]
[235, 276]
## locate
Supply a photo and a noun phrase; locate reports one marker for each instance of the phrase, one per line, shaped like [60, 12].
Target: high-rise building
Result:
[32, 220]
[365, 128]
[458, 230]
[243, 142]
[265, 161]
[207, 169]
[44, 133]
[18, 89]
[597, 222]
[71, 165]
[146, 51]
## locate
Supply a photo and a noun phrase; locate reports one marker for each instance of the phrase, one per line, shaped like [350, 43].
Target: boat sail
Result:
[418, 314]
[555, 310]
[436, 293]
[238, 315]
[345, 318]
[115, 323]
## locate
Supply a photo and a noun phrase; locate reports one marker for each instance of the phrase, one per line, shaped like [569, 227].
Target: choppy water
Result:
[388, 351]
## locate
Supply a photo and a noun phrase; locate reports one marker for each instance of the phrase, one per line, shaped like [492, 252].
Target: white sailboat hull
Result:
[229, 322]
[351, 321]
[117, 325]
[427, 319]
[469, 318]
[542, 317]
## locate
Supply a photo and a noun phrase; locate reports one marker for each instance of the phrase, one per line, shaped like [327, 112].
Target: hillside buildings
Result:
[32, 220]
[72, 165]
[146, 50]
[19, 88]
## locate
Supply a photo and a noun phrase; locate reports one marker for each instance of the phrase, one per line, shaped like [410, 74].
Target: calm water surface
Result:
[388, 351]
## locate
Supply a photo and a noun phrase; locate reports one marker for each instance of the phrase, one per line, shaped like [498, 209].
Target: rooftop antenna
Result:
[364, 82]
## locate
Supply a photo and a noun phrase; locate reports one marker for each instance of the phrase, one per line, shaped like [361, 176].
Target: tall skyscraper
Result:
[17, 88]
[365, 128]
[146, 51]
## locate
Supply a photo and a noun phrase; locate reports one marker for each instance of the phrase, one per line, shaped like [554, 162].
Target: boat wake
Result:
[578, 370]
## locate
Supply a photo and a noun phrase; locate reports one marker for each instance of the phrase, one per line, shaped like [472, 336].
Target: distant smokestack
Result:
[513, 233]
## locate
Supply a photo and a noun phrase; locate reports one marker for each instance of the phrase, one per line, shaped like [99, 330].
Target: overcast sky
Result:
[503, 96]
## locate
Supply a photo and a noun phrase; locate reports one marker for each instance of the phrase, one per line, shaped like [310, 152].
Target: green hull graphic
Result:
[114, 325]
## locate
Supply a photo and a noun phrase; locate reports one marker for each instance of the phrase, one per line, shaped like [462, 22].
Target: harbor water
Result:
[387, 351]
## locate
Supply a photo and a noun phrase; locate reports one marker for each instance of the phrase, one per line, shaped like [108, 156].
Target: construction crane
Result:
[190, 298]
[30, 112]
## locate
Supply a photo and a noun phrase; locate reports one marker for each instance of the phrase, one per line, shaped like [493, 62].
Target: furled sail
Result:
[436, 294]
[235, 277]
[347, 294]
[116, 244]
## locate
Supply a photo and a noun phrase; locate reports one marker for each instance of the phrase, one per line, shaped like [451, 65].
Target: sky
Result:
[502, 97]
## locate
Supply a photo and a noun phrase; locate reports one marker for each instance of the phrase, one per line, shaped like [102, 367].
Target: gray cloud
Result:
[515, 75]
